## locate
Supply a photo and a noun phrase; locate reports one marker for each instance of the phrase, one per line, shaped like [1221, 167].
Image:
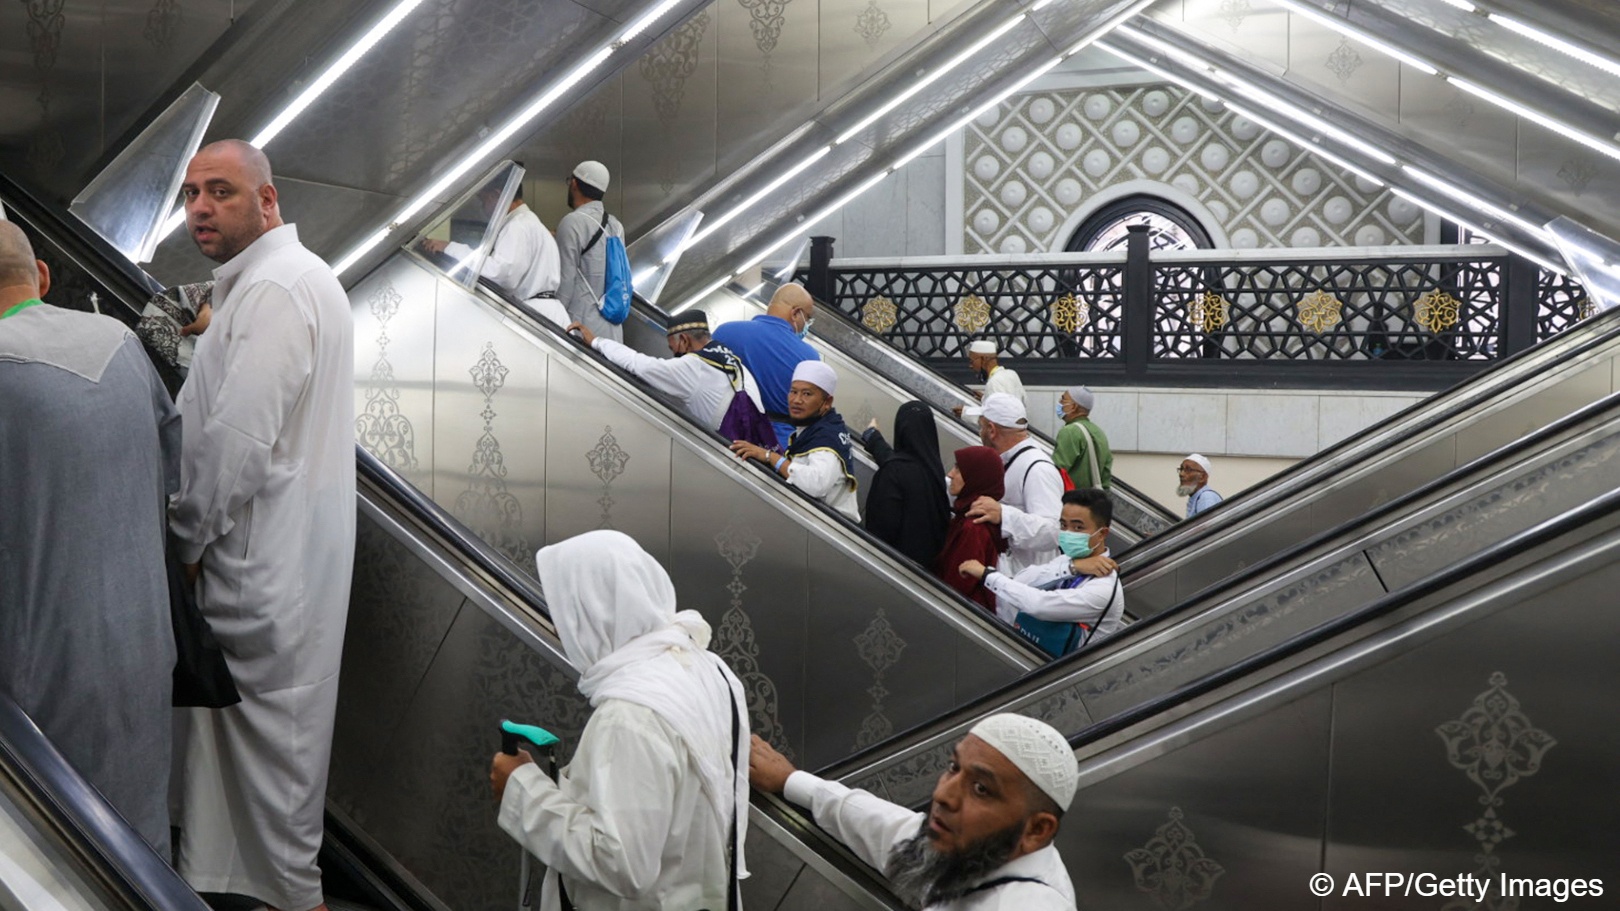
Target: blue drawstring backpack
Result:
[616, 287]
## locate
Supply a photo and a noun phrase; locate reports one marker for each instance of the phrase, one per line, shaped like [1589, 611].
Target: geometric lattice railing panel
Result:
[1040, 312]
[1290, 310]
[1561, 302]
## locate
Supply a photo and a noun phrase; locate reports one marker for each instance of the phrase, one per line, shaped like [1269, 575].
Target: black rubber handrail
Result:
[1250, 577]
[120, 857]
[1603, 328]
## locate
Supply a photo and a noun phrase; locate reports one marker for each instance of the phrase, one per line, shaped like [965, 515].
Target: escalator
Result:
[875, 379]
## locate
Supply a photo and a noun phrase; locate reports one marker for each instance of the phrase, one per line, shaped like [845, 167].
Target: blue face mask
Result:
[1060, 414]
[1076, 545]
[801, 333]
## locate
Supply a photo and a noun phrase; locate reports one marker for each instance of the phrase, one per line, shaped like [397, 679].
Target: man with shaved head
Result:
[985, 841]
[89, 451]
[772, 346]
[265, 517]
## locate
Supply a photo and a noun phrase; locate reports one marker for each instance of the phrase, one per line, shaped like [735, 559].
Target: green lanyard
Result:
[21, 307]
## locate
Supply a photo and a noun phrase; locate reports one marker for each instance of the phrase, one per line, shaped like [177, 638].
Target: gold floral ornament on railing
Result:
[1436, 312]
[879, 314]
[1320, 312]
[1070, 314]
[1585, 307]
[972, 314]
[1208, 312]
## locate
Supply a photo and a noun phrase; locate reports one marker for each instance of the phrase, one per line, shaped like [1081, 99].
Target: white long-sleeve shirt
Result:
[628, 827]
[821, 475]
[1098, 602]
[871, 827]
[701, 388]
[1002, 379]
[1030, 507]
[524, 259]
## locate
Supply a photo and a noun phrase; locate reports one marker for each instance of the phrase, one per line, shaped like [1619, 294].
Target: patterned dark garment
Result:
[165, 314]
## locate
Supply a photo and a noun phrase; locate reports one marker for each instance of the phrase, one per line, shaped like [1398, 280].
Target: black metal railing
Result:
[1416, 318]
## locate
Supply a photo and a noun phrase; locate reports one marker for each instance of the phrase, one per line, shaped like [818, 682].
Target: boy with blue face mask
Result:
[1058, 609]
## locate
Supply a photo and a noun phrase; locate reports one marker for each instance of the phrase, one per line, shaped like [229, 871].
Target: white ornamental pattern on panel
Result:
[1031, 163]
[734, 640]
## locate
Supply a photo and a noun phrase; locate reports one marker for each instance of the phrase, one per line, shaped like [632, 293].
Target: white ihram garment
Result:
[701, 388]
[640, 818]
[266, 503]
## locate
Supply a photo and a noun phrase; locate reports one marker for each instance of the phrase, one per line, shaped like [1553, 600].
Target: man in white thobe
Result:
[656, 796]
[704, 375]
[985, 843]
[265, 516]
[819, 458]
[985, 361]
[1028, 511]
[523, 260]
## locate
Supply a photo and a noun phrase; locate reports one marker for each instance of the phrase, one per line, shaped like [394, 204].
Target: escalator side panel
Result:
[1418, 755]
[1579, 385]
[394, 366]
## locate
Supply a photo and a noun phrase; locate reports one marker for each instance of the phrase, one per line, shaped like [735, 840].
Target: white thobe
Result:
[702, 389]
[267, 504]
[524, 258]
[628, 827]
[1098, 602]
[1002, 379]
[1029, 509]
[821, 475]
[871, 827]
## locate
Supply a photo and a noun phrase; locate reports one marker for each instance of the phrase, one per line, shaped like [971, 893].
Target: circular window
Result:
[1170, 227]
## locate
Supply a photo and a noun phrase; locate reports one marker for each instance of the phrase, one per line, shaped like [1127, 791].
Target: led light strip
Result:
[1492, 236]
[1350, 31]
[1556, 43]
[1559, 127]
[1473, 202]
[500, 137]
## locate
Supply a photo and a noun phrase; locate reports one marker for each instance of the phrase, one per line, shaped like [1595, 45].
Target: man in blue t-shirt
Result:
[772, 346]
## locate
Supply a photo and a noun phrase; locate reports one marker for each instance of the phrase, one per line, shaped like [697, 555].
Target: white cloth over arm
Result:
[1031, 506]
[869, 825]
[607, 829]
[523, 259]
[702, 390]
[1098, 602]
[821, 475]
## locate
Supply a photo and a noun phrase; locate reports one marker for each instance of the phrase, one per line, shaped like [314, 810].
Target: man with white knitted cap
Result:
[817, 459]
[582, 249]
[985, 362]
[1193, 475]
[1082, 447]
[985, 841]
[1028, 511]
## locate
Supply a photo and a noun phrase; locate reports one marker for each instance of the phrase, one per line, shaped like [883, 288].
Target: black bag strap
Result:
[1003, 881]
[733, 887]
[597, 236]
[1031, 467]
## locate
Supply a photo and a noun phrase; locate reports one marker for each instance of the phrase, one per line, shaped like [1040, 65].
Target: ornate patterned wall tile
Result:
[1032, 165]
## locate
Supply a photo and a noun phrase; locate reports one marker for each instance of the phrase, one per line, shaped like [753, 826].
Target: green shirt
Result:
[1070, 454]
[31, 302]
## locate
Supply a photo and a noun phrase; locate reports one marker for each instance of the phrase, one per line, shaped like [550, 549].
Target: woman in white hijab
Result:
[643, 816]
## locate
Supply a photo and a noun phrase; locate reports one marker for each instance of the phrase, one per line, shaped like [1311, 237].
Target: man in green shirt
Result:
[1082, 448]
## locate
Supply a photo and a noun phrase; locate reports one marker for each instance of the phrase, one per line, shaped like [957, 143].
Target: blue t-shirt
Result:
[771, 351]
[1202, 500]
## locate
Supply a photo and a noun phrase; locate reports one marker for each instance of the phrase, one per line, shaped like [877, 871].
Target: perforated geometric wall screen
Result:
[1034, 163]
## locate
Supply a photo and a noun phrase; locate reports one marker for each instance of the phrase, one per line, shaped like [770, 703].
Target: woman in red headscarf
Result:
[978, 473]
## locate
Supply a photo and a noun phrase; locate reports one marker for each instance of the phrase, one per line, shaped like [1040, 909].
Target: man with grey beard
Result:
[985, 843]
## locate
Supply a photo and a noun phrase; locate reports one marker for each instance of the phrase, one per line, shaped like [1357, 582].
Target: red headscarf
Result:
[982, 476]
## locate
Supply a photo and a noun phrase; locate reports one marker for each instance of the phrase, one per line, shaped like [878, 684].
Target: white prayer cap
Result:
[594, 173]
[817, 374]
[983, 346]
[1037, 749]
[1200, 461]
[1082, 396]
[1001, 409]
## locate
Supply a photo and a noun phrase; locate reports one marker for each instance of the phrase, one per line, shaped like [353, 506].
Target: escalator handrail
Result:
[1143, 500]
[1503, 375]
[1249, 577]
[126, 861]
[128, 282]
[475, 550]
[919, 574]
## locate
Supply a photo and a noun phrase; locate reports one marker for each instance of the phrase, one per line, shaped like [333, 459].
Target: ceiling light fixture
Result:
[1559, 127]
[1472, 201]
[1556, 43]
[1350, 31]
[1463, 5]
[746, 204]
[1494, 237]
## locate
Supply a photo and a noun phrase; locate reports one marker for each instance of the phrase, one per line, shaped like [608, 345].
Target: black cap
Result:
[690, 321]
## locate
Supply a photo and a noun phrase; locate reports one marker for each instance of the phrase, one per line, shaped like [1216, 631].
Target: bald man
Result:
[265, 517]
[772, 346]
[89, 451]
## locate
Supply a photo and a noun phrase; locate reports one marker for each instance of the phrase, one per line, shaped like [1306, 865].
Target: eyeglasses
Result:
[1183, 470]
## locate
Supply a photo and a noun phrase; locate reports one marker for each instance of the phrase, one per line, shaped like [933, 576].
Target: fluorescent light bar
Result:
[691, 302]
[1348, 30]
[931, 78]
[746, 204]
[1472, 201]
[1463, 5]
[334, 72]
[1272, 102]
[1303, 143]
[640, 278]
[942, 135]
[1563, 129]
[1556, 43]
[1492, 236]
[640, 25]
[1106, 27]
